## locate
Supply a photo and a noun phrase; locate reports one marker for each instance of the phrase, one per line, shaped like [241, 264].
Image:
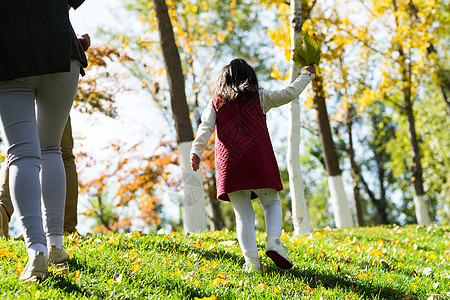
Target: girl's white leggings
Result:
[33, 112]
[245, 217]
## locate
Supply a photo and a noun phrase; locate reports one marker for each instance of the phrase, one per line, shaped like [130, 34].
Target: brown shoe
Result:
[3, 222]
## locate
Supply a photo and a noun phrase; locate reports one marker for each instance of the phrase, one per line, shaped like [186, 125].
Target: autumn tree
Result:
[129, 180]
[413, 29]
[206, 33]
[97, 92]
[341, 209]
[98, 89]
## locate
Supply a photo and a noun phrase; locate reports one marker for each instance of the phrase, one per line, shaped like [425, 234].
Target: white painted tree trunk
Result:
[342, 214]
[194, 212]
[422, 215]
[299, 209]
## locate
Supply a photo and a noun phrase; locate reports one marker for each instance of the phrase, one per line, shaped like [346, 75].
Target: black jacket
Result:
[36, 38]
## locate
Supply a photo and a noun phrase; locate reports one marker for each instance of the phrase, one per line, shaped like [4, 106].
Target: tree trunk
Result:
[422, 215]
[299, 208]
[355, 169]
[381, 203]
[342, 214]
[194, 218]
[217, 218]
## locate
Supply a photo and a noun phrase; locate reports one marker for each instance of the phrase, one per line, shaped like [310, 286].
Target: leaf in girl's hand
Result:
[306, 51]
[298, 57]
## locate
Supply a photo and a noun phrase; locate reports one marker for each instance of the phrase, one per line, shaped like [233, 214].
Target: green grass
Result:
[358, 263]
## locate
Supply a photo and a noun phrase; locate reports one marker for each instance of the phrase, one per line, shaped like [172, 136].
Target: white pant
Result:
[33, 113]
[245, 217]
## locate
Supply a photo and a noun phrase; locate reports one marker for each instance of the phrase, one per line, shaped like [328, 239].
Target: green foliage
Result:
[356, 263]
[306, 52]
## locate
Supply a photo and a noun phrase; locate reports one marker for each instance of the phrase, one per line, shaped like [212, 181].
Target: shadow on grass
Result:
[310, 276]
[314, 279]
[64, 283]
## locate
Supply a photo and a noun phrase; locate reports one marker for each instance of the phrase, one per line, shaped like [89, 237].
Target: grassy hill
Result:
[357, 263]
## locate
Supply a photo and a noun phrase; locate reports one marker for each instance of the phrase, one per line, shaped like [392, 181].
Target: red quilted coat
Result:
[244, 157]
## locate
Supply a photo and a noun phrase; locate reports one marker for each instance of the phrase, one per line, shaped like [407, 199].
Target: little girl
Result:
[246, 167]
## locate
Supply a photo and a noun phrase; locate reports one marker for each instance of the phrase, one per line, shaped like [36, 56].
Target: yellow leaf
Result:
[129, 245]
[76, 274]
[207, 298]
[199, 243]
[362, 275]
[380, 243]
[4, 252]
[61, 269]
[276, 290]
[19, 268]
[376, 252]
[219, 281]
[221, 274]
[135, 267]
[321, 255]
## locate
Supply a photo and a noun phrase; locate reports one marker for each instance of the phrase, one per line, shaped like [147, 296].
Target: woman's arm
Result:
[204, 130]
[270, 99]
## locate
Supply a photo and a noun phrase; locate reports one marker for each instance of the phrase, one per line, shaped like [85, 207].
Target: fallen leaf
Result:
[385, 264]
[207, 298]
[76, 274]
[276, 290]
[219, 280]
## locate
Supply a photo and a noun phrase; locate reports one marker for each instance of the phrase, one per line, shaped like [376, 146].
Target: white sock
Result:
[36, 248]
[55, 239]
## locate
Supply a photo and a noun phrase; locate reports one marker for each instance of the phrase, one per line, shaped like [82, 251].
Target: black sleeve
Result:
[75, 3]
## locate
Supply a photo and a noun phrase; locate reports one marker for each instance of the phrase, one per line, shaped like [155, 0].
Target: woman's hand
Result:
[195, 162]
[311, 69]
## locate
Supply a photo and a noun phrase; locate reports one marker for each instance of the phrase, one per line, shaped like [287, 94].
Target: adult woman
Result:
[40, 62]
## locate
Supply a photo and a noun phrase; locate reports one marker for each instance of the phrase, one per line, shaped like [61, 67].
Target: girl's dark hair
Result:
[236, 78]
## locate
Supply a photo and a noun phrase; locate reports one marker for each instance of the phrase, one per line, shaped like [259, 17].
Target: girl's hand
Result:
[311, 69]
[195, 162]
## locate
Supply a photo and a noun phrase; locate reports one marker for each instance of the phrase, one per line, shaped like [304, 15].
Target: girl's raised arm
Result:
[204, 130]
[270, 99]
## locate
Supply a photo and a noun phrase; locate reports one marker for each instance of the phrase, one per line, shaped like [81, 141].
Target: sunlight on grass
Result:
[390, 262]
